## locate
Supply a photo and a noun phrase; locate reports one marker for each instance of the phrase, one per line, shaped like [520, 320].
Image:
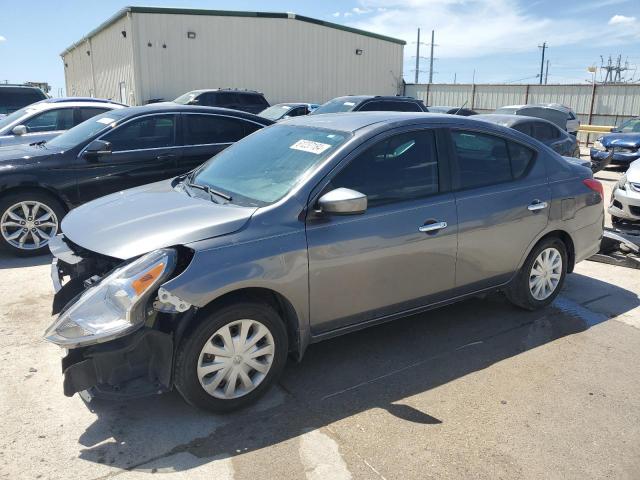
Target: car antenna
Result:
[458, 111]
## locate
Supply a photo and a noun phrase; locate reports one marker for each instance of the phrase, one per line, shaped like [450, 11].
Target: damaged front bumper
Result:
[134, 365]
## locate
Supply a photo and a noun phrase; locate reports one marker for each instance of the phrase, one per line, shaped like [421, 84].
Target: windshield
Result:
[276, 112]
[630, 126]
[506, 111]
[186, 98]
[263, 167]
[84, 131]
[12, 117]
[337, 105]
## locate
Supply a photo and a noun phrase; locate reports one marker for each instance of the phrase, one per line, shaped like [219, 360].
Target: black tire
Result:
[188, 355]
[11, 199]
[519, 292]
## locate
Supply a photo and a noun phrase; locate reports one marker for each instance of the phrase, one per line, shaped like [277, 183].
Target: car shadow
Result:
[376, 368]
[8, 261]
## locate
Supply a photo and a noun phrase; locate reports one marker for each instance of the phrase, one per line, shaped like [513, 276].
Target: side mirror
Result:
[97, 148]
[343, 201]
[19, 130]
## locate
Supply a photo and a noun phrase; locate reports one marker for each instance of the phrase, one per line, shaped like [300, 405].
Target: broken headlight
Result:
[597, 145]
[116, 305]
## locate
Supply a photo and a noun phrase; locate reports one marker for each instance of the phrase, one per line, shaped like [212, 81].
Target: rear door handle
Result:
[163, 158]
[537, 205]
[432, 227]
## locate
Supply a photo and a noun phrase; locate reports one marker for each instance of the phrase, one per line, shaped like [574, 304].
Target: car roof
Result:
[81, 99]
[171, 107]
[352, 122]
[508, 119]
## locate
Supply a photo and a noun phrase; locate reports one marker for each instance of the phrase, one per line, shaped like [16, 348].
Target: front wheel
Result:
[232, 357]
[28, 220]
[540, 279]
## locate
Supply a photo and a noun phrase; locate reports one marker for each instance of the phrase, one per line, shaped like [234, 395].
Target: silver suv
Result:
[302, 231]
[44, 120]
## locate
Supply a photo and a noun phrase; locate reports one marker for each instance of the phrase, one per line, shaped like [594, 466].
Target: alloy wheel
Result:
[28, 225]
[545, 274]
[236, 359]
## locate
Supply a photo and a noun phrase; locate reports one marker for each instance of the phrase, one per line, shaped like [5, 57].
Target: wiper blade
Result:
[210, 191]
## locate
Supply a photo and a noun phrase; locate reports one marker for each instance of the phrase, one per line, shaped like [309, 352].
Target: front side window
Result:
[486, 159]
[264, 167]
[155, 131]
[207, 129]
[186, 98]
[545, 132]
[403, 167]
[51, 120]
[630, 126]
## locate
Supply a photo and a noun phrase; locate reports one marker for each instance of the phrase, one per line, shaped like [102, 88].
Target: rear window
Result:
[487, 159]
[337, 105]
[390, 106]
[12, 99]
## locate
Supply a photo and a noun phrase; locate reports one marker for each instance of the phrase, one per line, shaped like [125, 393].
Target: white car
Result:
[44, 120]
[625, 199]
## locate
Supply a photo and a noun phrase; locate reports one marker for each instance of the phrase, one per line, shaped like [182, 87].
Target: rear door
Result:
[364, 267]
[144, 150]
[502, 201]
[205, 135]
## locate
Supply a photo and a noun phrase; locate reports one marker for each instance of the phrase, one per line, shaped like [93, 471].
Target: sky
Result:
[494, 40]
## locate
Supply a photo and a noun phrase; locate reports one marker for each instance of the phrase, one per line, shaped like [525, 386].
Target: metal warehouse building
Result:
[145, 53]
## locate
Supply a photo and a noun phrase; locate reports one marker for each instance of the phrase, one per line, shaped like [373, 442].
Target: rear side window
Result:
[85, 113]
[157, 131]
[544, 131]
[486, 159]
[226, 98]
[403, 167]
[51, 120]
[206, 129]
[524, 128]
[252, 99]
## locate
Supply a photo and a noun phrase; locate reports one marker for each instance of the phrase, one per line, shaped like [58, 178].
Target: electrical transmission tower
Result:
[418, 57]
[614, 71]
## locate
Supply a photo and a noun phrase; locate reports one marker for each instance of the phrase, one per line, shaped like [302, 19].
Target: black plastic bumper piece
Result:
[136, 365]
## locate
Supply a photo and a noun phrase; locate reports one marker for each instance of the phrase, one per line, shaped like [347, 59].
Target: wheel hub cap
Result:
[28, 225]
[545, 274]
[236, 359]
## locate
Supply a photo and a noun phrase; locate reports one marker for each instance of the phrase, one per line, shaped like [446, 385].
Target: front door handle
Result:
[432, 227]
[537, 205]
[166, 157]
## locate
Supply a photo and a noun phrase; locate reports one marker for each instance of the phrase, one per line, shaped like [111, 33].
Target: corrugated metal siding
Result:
[286, 59]
[112, 59]
[612, 104]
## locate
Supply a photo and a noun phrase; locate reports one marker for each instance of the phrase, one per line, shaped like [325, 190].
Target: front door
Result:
[143, 151]
[503, 204]
[401, 253]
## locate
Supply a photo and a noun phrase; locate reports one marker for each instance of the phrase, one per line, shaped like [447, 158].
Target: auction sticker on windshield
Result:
[310, 146]
[106, 120]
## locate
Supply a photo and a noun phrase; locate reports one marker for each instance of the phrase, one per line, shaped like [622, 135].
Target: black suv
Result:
[244, 100]
[14, 97]
[371, 103]
[113, 151]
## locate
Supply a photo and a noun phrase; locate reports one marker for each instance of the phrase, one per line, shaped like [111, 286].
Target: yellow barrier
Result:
[595, 129]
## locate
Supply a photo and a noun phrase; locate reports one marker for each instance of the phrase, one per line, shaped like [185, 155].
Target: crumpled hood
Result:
[136, 221]
[621, 140]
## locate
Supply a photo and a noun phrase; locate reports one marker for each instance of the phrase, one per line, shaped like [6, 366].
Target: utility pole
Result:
[433, 33]
[418, 57]
[455, 74]
[546, 75]
[543, 47]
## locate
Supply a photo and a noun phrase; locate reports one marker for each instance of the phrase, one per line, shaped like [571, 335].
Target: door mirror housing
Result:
[97, 148]
[343, 201]
[19, 130]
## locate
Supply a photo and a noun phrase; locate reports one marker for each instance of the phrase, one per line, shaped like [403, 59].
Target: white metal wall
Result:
[286, 59]
[109, 65]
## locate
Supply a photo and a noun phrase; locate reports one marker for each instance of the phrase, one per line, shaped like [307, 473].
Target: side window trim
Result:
[454, 164]
[442, 157]
[241, 119]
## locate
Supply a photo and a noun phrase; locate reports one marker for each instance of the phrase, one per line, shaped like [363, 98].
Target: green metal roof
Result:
[225, 13]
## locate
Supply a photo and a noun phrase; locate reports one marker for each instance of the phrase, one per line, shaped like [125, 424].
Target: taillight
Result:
[594, 185]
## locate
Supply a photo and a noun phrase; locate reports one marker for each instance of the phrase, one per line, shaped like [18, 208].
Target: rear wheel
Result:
[28, 220]
[540, 279]
[232, 357]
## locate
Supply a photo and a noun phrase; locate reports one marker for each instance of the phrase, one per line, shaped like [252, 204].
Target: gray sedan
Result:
[305, 230]
[546, 132]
